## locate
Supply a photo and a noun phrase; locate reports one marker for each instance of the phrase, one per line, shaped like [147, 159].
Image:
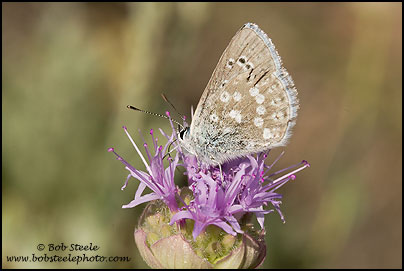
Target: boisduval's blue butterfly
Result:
[249, 105]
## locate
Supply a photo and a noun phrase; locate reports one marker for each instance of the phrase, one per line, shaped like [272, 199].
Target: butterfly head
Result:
[184, 137]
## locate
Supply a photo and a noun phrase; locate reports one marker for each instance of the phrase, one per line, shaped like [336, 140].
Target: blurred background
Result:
[70, 69]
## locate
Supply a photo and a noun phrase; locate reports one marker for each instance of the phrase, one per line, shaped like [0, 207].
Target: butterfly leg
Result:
[221, 173]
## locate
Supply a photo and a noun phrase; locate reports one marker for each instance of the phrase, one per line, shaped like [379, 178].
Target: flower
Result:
[158, 179]
[219, 199]
[244, 188]
[165, 246]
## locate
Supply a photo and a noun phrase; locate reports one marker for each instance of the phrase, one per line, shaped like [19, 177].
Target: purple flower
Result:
[158, 179]
[212, 205]
[244, 188]
[221, 195]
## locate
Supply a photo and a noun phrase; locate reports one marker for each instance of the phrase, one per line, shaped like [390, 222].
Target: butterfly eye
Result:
[183, 132]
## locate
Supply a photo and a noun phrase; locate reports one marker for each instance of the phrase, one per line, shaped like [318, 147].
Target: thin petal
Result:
[260, 219]
[226, 227]
[137, 150]
[234, 188]
[181, 215]
[234, 223]
[235, 209]
[126, 182]
[146, 181]
[140, 190]
[145, 198]
[198, 227]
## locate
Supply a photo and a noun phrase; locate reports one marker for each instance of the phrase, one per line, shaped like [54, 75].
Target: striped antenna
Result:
[170, 103]
[154, 114]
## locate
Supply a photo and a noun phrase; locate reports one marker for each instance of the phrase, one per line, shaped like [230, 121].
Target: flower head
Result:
[218, 196]
[241, 186]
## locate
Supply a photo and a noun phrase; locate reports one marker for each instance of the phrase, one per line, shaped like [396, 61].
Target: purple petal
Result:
[145, 198]
[260, 219]
[126, 182]
[198, 227]
[234, 223]
[181, 215]
[233, 190]
[153, 186]
[235, 209]
[140, 190]
[226, 227]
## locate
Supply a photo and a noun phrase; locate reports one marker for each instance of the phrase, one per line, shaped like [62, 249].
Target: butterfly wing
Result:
[250, 103]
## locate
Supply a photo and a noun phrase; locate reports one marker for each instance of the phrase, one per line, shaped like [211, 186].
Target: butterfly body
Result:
[249, 105]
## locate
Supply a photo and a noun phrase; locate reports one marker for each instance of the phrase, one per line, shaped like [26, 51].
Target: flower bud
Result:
[165, 246]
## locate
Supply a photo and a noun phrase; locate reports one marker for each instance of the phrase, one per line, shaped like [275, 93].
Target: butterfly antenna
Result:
[171, 104]
[154, 114]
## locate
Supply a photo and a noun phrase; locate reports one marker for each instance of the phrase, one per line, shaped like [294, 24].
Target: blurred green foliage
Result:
[69, 69]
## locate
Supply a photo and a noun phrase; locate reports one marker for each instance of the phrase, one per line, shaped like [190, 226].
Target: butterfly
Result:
[249, 105]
